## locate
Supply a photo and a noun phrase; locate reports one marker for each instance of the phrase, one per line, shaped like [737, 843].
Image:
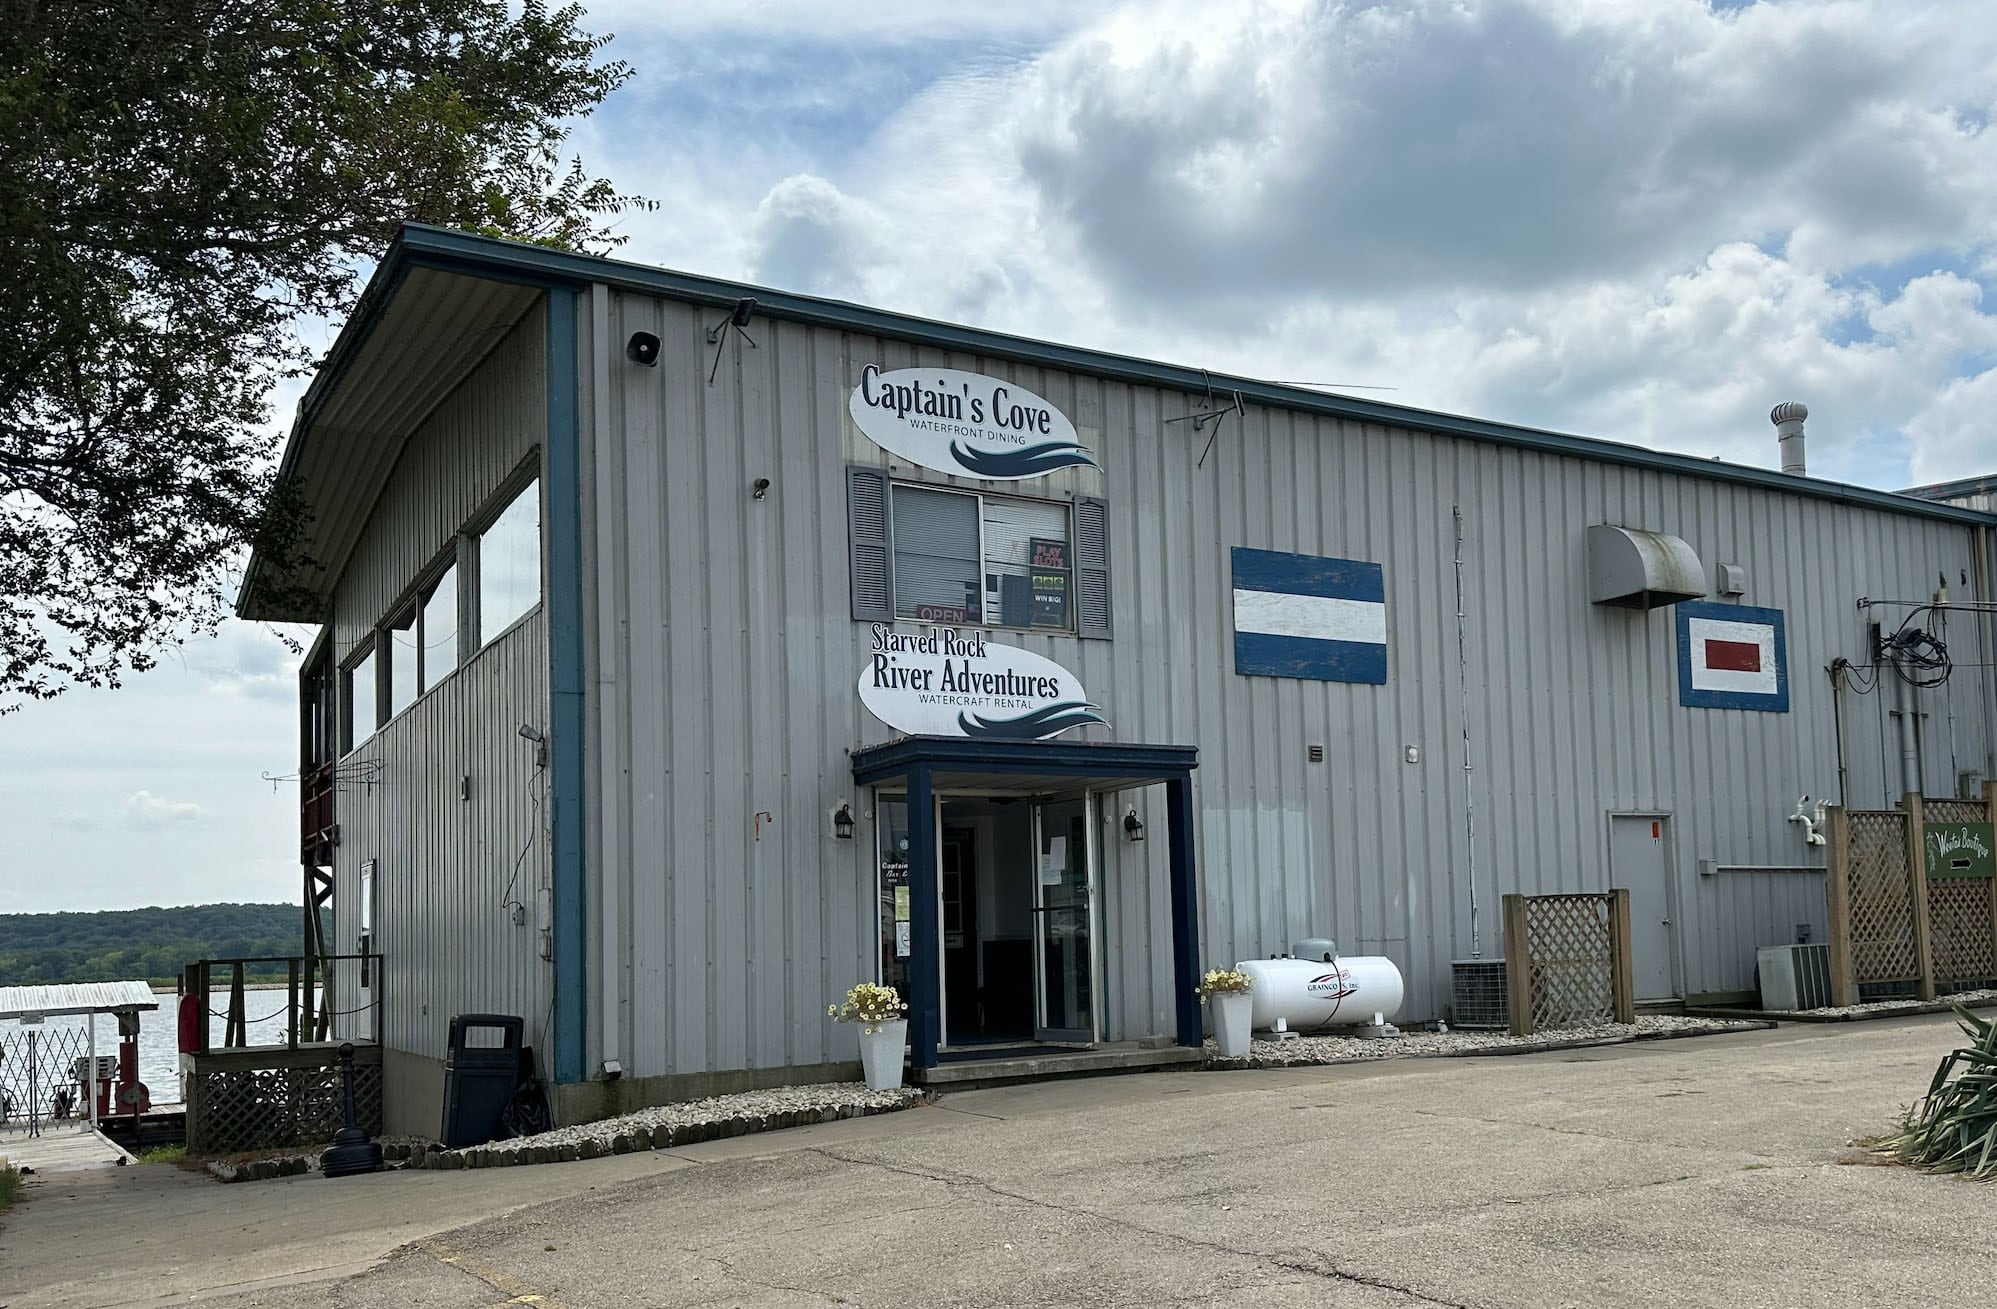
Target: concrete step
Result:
[967, 1074]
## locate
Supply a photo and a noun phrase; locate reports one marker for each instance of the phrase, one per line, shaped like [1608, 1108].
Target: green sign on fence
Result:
[1961, 850]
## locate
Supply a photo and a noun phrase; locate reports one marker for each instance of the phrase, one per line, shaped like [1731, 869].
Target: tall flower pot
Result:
[1232, 1012]
[881, 1051]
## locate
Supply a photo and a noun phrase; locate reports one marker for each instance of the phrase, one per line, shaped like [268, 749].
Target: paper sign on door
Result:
[1054, 863]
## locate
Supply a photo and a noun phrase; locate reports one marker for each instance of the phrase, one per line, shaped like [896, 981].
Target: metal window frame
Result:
[364, 649]
[1065, 504]
[527, 473]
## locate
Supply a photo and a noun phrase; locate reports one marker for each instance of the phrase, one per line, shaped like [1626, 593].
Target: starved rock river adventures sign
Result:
[964, 423]
[941, 682]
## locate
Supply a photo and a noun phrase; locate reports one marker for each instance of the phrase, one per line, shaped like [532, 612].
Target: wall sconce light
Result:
[759, 489]
[642, 348]
[1133, 826]
[842, 822]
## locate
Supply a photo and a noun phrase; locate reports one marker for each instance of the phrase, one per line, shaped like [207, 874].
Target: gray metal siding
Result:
[726, 657]
[446, 862]
[1742, 909]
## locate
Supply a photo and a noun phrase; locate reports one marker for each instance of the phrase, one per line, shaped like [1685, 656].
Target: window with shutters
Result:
[969, 558]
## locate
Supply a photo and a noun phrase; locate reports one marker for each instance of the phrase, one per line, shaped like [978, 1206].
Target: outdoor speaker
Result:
[642, 348]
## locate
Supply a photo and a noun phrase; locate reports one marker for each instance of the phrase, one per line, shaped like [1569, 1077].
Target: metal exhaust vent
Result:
[1634, 569]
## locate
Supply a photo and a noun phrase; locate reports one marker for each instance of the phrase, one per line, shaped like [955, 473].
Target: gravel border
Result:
[1309, 1051]
[659, 1128]
[1941, 1004]
[666, 1126]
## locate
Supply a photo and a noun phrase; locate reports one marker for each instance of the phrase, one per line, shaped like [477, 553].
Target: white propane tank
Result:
[1305, 993]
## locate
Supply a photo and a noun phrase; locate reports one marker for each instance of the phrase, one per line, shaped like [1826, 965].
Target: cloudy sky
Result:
[1646, 220]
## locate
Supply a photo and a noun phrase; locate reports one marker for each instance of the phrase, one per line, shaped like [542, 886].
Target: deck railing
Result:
[317, 991]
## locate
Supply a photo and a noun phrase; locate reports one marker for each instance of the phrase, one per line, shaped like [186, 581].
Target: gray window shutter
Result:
[867, 545]
[1092, 567]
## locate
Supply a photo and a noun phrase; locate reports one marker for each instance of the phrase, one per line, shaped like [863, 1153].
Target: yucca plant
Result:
[1953, 1128]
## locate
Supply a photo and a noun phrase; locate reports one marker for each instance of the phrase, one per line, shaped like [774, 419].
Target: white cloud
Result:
[145, 812]
[1647, 223]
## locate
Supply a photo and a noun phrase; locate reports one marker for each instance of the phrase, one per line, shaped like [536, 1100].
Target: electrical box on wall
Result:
[1732, 580]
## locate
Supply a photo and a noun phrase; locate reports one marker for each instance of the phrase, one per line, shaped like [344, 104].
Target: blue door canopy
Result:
[927, 765]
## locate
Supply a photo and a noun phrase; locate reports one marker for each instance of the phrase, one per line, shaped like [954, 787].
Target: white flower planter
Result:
[1232, 1012]
[881, 1053]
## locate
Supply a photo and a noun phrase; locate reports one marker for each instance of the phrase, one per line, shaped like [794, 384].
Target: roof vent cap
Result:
[1788, 419]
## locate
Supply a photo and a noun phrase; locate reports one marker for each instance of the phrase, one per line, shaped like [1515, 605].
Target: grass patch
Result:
[10, 1186]
[1755, 1168]
[163, 1154]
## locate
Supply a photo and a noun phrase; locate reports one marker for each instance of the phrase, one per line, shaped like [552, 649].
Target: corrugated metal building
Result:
[617, 569]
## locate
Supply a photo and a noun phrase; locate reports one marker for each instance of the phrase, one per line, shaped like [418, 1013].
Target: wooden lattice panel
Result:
[1571, 947]
[272, 1108]
[1959, 931]
[1954, 811]
[1882, 903]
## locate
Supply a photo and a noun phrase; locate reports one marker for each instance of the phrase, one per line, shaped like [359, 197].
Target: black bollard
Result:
[352, 1151]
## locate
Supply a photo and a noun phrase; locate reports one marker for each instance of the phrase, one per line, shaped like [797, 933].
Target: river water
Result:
[61, 1039]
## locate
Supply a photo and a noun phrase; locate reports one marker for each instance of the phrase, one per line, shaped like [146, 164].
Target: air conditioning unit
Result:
[1794, 976]
[1477, 995]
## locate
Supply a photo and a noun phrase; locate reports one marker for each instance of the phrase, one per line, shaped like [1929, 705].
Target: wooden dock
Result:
[61, 1146]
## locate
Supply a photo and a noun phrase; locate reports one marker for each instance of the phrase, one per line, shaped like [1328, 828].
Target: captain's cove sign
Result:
[941, 682]
[964, 423]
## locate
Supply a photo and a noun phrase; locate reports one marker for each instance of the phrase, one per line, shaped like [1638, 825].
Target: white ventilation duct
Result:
[1788, 419]
[1636, 569]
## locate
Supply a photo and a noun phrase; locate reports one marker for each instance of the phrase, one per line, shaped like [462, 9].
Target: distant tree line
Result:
[138, 944]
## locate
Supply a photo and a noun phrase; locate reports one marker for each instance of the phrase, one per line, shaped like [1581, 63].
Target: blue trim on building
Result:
[925, 964]
[565, 683]
[1776, 702]
[1116, 759]
[1259, 654]
[1185, 912]
[1319, 575]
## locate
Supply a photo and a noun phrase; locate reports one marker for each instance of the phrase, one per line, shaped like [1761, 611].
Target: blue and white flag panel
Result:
[1309, 616]
[1732, 657]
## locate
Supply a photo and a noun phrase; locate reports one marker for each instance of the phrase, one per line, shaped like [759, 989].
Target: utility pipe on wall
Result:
[1463, 700]
[1910, 743]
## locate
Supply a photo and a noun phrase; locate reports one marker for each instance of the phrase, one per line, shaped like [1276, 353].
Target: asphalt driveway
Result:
[1714, 1171]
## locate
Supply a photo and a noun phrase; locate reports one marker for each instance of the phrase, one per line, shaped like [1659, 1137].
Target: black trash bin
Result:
[479, 1080]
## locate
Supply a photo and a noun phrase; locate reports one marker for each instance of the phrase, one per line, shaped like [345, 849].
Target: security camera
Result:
[760, 488]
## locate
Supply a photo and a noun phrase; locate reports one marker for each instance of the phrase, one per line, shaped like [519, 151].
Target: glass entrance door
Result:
[1064, 922]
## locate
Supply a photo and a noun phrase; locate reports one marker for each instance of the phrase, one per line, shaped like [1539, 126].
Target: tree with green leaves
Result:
[179, 185]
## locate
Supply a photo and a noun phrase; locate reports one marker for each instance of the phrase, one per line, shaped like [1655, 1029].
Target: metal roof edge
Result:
[402, 257]
[1983, 485]
[476, 255]
[473, 251]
